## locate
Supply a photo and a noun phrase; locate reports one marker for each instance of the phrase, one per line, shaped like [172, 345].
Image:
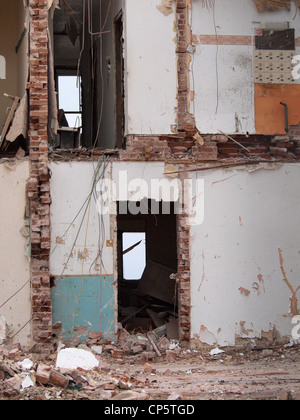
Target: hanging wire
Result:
[90, 14]
[87, 204]
[18, 291]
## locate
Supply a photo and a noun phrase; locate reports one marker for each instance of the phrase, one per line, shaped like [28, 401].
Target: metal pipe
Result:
[286, 113]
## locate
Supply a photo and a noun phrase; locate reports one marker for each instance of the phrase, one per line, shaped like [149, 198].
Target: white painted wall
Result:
[222, 76]
[76, 225]
[14, 263]
[151, 67]
[248, 217]
[72, 214]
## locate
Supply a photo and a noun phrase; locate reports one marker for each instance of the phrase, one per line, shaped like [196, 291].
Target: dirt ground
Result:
[269, 374]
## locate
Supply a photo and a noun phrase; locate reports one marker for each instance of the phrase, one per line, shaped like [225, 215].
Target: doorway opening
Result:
[147, 267]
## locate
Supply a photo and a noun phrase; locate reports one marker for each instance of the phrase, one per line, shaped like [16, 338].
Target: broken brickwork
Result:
[38, 184]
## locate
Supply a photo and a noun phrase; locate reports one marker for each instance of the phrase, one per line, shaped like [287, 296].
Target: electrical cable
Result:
[4, 303]
[95, 180]
[24, 325]
[82, 220]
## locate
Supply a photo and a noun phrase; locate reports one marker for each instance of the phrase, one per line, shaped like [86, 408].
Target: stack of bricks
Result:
[38, 186]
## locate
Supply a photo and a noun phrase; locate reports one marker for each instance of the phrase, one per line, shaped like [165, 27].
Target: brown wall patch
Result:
[269, 113]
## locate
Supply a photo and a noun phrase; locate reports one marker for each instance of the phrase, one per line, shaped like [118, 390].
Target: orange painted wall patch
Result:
[269, 114]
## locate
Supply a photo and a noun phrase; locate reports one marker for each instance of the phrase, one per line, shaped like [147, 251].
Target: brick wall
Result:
[181, 149]
[38, 186]
[186, 121]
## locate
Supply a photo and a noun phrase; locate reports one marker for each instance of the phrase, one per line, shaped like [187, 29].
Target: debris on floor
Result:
[151, 303]
[148, 367]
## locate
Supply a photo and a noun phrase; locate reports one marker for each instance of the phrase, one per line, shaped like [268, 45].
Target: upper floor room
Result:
[113, 68]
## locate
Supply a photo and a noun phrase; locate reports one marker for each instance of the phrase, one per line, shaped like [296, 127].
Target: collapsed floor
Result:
[139, 369]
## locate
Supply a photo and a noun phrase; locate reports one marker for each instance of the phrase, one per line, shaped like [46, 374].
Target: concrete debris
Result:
[216, 352]
[73, 358]
[27, 382]
[25, 364]
[179, 374]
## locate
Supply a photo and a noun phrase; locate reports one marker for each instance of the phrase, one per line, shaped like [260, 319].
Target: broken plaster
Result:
[166, 7]
[206, 336]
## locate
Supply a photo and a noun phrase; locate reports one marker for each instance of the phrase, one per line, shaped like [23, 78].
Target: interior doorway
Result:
[147, 267]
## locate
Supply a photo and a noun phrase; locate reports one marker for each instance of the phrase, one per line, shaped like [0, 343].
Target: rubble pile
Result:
[83, 370]
[147, 366]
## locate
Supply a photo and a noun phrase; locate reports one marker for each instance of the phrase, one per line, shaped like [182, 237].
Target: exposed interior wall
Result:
[150, 57]
[78, 235]
[223, 38]
[15, 255]
[237, 256]
[84, 242]
[12, 20]
[238, 288]
[82, 259]
[105, 73]
[78, 232]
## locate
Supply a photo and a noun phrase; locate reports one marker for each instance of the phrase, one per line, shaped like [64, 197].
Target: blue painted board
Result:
[84, 303]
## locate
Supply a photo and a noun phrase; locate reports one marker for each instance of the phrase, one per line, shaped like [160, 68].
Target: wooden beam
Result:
[10, 117]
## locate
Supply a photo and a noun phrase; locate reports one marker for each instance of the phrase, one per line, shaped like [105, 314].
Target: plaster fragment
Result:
[166, 7]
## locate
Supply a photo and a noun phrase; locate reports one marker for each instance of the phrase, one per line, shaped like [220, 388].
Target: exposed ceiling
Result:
[66, 28]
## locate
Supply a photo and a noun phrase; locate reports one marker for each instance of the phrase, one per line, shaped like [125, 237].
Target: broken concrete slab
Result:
[27, 382]
[73, 358]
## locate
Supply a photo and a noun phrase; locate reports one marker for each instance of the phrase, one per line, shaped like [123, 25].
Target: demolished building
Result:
[98, 98]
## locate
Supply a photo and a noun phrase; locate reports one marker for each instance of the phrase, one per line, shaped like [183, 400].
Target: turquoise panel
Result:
[84, 303]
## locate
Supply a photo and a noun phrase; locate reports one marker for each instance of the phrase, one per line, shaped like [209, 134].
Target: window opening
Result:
[69, 100]
[134, 255]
